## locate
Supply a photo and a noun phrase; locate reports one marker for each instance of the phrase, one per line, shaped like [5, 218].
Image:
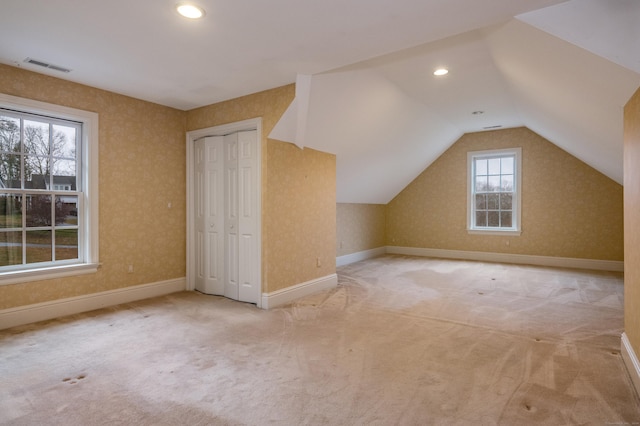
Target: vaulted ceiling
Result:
[364, 68]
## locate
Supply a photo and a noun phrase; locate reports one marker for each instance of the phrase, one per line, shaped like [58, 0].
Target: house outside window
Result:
[494, 191]
[48, 191]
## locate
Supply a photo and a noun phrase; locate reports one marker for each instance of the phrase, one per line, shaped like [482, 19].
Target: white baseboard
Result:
[524, 259]
[361, 255]
[74, 305]
[630, 361]
[286, 295]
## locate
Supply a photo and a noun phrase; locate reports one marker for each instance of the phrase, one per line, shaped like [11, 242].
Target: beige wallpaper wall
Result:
[298, 192]
[300, 215]
[360, 227]
[632, 221]
[142, 169]
[568, 208]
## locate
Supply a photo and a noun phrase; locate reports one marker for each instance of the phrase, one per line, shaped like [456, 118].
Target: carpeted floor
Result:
[401, 341]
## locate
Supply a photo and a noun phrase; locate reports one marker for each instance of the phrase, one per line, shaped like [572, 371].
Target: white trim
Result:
[358, 256]
[494, 232]
[89, 228]
[74, 305]
[16, 277]
[286, 295]
[192, 136]
[630, 361]
[524, 259]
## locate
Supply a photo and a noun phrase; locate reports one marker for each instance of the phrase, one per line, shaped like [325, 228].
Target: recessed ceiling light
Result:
[441, 71]
[190, 11]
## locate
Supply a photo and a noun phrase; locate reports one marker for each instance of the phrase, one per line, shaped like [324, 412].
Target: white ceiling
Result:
[365, 90]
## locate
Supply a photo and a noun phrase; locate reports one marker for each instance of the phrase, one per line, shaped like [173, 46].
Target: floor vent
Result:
[46, 65]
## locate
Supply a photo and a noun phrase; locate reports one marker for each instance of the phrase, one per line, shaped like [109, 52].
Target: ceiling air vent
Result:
[46, 65]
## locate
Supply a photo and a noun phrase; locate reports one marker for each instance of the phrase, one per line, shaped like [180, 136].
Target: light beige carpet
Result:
[401, 341]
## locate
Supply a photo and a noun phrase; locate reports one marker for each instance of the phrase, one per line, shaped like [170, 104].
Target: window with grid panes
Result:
[494, 195]
[48, 221]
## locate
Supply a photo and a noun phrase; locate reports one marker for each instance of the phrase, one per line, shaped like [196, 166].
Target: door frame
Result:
[192, 136]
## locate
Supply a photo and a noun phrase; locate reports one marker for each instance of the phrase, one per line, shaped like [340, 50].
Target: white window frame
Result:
[516, 228]
[88, 260]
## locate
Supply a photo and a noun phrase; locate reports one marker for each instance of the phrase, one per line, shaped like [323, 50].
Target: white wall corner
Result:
[631, 362]
[303, 97]
[292, 126]
[286, 295]
[75, 305]
[358, 256]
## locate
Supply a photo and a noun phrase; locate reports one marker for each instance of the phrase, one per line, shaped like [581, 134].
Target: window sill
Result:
[16, 277]
[503, 232]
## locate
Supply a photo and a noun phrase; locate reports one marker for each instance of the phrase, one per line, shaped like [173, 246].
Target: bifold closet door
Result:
[209, 214]
[227, 216]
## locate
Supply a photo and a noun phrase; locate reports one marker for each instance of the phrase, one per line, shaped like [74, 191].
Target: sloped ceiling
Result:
[364, 70]
[388, 118]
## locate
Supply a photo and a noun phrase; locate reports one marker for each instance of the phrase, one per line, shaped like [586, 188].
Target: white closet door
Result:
[248, 217]
[209, 220]
[227, 216]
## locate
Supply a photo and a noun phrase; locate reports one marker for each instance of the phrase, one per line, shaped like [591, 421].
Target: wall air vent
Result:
[492, 127]
[46, 65]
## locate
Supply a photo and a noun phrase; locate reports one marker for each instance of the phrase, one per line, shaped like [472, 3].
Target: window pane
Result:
[506, 201]
[66, 244]
[481, 201]
[505, 219]
[494, 166]
[493, 201]
[66, 210]
[39, 246]
[481, 167]
[506, 165]
[506, 183]
[36, 171]
[481, 218]
[481, 184]
[493, 219]
[9, 134]
[36, 138]
[10, 170]
[64, 141]
[494, 183]
[10, 211]
[38, 210]
[64, 174]
[10, 248]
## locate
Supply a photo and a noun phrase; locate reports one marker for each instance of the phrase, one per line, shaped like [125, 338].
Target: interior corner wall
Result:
[360, 227]
[632, 221]
[568, 208]
[298, 192]
[141, 170]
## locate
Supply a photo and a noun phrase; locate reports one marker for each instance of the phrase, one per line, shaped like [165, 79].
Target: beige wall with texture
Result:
[298, 192]
[359, 227]
[632, 221]
[568, 208]
[142, 169]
